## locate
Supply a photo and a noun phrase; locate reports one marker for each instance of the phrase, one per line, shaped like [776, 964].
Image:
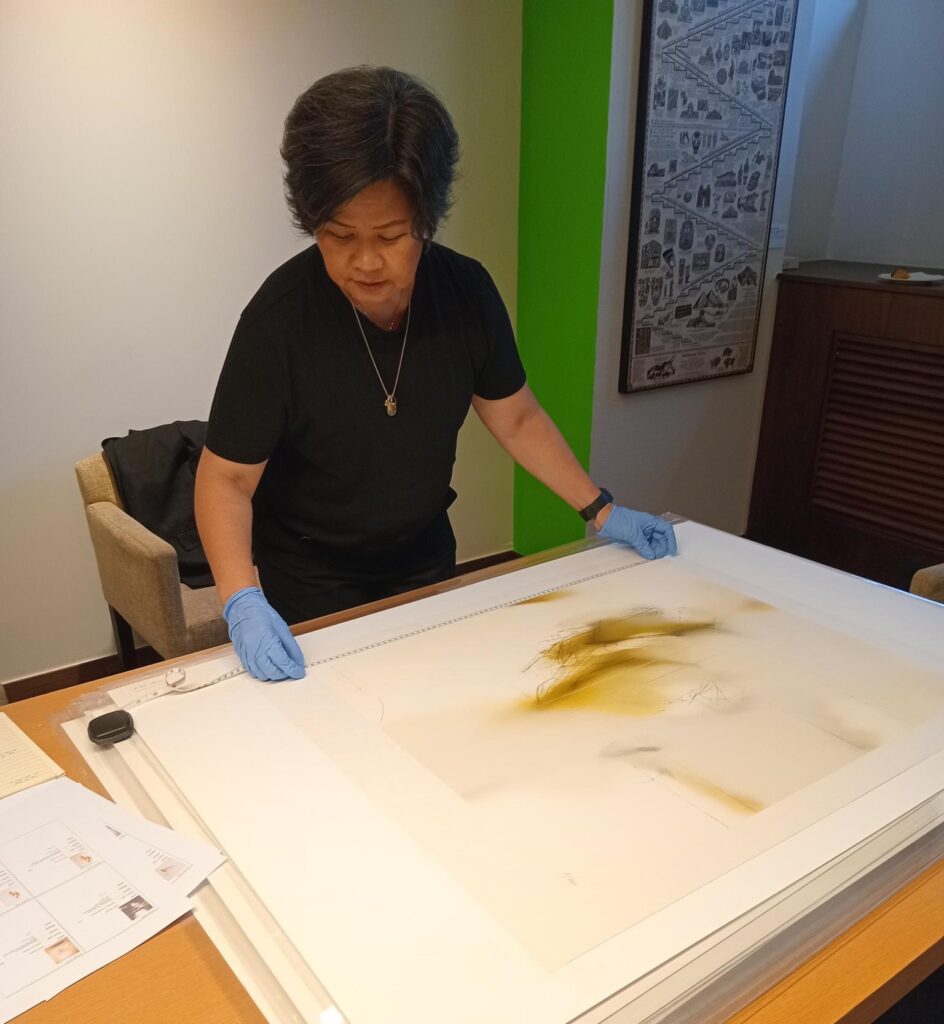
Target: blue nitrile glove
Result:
[651, 536]
[262, 640]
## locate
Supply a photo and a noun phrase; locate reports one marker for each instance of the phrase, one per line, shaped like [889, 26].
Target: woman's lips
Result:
[370, 285]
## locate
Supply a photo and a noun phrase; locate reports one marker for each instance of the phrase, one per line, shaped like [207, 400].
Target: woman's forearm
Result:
[223, 506]
[540, 448]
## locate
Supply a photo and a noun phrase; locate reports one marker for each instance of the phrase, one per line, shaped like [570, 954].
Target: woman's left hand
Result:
[651, 536]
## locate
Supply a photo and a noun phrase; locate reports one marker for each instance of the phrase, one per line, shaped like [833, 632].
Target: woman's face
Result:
[370, 251]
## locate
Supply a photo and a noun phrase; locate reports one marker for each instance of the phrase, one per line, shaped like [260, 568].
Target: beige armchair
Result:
[140, 578]
[929, 583]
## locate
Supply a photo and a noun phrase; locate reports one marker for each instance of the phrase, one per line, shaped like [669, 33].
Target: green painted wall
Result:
[565, 85]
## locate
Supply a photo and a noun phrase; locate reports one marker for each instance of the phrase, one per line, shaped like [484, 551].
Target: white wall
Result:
[141, 206]
[890, 196]
[833, 54]
[687, 449]
[871, 149]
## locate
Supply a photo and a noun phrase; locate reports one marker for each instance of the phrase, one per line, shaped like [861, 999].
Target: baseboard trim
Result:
[99, 668]
[72, 675]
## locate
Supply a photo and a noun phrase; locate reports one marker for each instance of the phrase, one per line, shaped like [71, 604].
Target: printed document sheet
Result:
[82, 883]
[22, 763]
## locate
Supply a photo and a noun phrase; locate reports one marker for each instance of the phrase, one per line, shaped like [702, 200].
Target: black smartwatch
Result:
[592, 510]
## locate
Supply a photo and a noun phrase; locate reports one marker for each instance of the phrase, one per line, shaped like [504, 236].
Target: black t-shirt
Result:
[298, 389]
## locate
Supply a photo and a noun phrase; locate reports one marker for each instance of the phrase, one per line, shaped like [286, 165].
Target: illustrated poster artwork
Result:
[711, 101]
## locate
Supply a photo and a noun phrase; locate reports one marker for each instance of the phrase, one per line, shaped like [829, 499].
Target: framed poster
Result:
[712, 92]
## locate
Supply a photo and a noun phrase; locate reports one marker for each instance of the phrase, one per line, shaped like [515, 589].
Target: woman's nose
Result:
[367, 258]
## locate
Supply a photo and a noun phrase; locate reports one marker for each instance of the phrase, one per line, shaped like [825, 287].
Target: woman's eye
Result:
[393, 238]
[340, 238]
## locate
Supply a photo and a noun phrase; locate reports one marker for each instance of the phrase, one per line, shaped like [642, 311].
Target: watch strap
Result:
[591, 511]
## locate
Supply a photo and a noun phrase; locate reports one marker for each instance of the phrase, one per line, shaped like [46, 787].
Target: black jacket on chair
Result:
[154, 472]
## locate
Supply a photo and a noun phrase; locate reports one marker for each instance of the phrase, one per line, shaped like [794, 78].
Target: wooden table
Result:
[178, 976]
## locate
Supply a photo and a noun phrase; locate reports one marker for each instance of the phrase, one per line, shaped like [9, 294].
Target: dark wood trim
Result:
[99, 668]
[71, 675]
[473, 565]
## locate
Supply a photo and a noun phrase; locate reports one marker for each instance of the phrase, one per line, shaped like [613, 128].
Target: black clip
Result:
[109, 728]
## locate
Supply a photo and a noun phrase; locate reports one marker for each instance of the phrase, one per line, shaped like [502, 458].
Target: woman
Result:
[333, 429]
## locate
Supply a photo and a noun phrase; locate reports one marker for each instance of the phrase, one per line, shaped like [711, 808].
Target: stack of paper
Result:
[81, 883]
[590, 790]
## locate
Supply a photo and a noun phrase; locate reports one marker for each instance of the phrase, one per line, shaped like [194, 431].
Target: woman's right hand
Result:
[261, 637]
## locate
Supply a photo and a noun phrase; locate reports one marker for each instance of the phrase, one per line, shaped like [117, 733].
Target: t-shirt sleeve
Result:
[501, 374]
[249, 410]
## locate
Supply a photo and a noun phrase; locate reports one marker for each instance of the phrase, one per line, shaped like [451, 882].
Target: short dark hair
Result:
[362, 125]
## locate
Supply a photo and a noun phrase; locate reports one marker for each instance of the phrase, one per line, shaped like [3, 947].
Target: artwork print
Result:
[562, 756]
[712, 93]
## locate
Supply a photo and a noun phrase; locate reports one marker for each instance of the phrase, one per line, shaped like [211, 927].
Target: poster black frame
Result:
[642, 121]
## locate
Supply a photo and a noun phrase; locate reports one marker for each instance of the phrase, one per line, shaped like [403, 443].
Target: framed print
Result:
[712, 92]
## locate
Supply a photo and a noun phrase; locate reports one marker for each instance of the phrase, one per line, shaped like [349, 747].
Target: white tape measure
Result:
[175, 680]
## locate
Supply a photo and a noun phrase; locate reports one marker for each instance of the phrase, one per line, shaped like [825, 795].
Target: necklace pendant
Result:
[390, 401]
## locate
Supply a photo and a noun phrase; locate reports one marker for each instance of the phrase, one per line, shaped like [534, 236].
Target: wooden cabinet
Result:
[850, 464]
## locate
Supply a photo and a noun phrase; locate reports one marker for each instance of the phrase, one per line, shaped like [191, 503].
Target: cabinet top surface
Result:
[860, 275]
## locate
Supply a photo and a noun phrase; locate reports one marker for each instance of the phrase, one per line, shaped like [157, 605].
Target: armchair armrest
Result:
[929, 582]
[139, 575]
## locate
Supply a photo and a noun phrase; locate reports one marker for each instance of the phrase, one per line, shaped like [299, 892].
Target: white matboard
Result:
[437, 844]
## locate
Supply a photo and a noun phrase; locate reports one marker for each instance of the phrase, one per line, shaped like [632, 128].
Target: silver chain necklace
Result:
[390, 397]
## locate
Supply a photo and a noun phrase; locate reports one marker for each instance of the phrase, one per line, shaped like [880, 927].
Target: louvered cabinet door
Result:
[850, 464]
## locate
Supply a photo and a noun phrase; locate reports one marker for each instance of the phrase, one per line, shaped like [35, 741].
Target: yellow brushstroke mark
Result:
[645, 625]
[733, 801]
[620, 682]
[613, 665]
